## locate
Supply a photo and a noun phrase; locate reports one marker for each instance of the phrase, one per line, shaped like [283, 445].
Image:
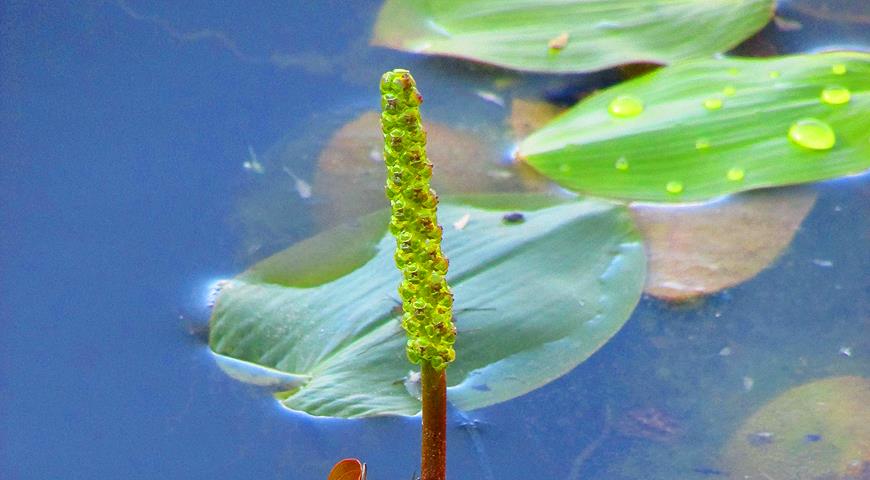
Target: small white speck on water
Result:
[726, 351]
[462, 222]
[490, 97]
[376, 155]
[823, 263]
[748, 383]
[846, 351]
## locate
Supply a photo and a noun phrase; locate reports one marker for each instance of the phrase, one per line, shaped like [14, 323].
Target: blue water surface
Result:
[123, 129]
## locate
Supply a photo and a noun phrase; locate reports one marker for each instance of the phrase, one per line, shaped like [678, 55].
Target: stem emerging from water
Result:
[434, 444]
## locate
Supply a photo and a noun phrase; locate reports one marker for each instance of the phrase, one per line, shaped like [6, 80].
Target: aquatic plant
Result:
[706, 128]
[427, 302]
[568, 35]
[328, 330]
[426, 298]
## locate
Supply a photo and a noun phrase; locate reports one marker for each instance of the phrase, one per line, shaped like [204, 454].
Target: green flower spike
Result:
[426, 299]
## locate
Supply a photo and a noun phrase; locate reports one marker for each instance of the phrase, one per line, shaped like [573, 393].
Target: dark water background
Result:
[123, 128]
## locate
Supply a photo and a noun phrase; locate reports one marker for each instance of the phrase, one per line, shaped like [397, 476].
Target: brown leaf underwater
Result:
[696, 250]
[350, 170]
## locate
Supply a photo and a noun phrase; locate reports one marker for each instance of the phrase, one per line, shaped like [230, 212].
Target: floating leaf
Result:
[711, 127]
[814, 431]
[569, 35]
[532, 300]
[693, 251]
[350, 170]
[697, 250]
[348, 469]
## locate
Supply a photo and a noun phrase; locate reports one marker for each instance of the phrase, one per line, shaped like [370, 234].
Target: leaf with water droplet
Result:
[693, 251]
[764, 128]
[516, 33]
[330, 319]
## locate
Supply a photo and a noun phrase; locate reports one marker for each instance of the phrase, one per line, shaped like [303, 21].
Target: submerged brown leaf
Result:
[697, 250]
[350, 171]
[530, 115]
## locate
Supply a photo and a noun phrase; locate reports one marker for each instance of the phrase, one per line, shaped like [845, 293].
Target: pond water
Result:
[125, 128]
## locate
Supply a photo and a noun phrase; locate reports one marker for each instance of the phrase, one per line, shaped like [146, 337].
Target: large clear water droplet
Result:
[625, 106]
[836, 95]
[812, 133]
[702, 144]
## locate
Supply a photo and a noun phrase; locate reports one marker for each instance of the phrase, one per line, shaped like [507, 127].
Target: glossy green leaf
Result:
[711, 127]
[593, 34]
[532, 300]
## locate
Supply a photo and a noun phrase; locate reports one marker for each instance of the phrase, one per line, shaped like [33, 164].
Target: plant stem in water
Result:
[434, 443]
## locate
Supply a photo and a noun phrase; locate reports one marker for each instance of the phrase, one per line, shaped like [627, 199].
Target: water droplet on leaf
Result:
[625, 106]
[702, 144]
[813, 134]
[621, 164]
[713, 103]
[729, 90]
[774, 74]
[733, 71]
[838, 69]
[735, 174]
[836, 95]
[674, 187]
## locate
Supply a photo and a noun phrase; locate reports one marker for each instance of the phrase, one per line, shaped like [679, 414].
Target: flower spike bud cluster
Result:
[427, 303]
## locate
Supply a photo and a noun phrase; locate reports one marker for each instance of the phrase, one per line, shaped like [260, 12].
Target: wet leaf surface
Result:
[698, 250]
[706, 128]
[530, 304]
[568, 35]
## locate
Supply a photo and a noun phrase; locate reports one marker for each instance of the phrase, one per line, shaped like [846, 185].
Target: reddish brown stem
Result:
[434, 444]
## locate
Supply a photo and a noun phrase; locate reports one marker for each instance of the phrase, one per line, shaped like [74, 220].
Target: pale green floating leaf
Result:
[749, 144]
[532, 301]
[590, 35]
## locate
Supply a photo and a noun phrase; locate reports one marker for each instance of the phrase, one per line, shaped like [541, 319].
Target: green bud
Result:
[426, 298]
